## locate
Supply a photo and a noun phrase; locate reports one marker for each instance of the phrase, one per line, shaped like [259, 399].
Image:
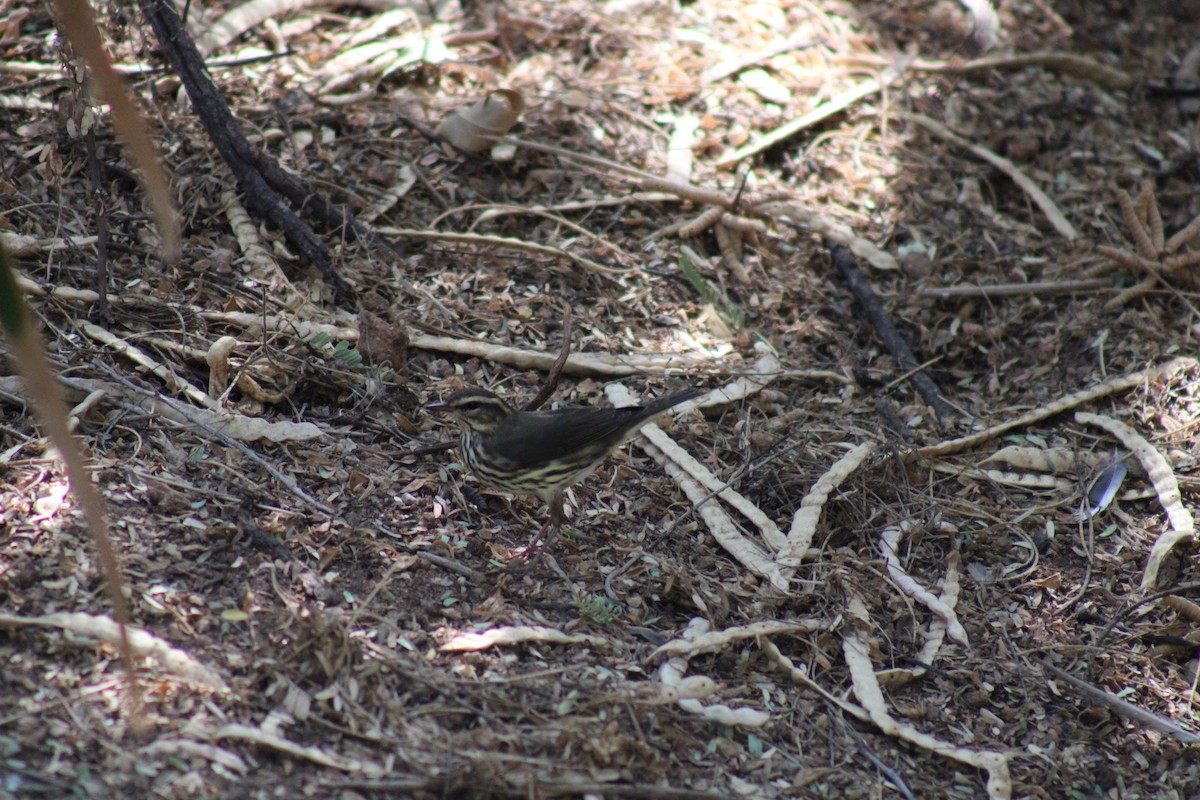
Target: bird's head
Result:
[474, 410]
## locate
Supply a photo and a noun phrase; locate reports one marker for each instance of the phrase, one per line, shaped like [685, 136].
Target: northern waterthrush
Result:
[542, 453]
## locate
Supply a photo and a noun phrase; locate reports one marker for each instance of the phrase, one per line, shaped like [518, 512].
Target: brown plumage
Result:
[542, 453]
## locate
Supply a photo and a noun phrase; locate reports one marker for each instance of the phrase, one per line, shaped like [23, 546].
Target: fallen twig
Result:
[1069, 63]
[1124, 708]
[503, 241]
[551, 382]
[891, 337]
[1038, 288]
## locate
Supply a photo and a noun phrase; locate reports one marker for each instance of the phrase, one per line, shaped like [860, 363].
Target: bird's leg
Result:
[548, 531]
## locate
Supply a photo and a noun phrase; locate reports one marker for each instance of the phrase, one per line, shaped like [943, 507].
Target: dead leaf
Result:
[477, 127]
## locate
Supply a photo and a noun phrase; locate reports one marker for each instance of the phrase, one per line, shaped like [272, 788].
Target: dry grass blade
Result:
[29, 357]
[79, 23]
[865, 89]
[1040, 198]
[503, 241]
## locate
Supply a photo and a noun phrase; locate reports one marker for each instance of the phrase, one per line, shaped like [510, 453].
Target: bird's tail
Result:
[656, 407]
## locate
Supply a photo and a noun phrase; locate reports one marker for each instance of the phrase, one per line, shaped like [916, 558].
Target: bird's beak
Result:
[437, 408]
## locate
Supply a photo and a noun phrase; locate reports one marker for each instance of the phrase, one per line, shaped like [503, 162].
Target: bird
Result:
[542, 453]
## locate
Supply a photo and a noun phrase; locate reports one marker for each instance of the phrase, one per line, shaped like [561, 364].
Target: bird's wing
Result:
[586, 432]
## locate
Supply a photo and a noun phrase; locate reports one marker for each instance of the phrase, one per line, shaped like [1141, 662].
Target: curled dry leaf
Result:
[514, 635]
[722, 527]
[1032, 481]
[804, 523]
[265, 382]
[164, 372]
[1162, 477]
[869, 694]
[252, 429]
[671, 673]
[679, 466]
[1054, 460]
[258, 262]
[696, 687]
[256, 324]
[767, 368]
[141, 642]
[715, 641]
[218, 365]
[1118, 384]
[477, 128]
[889, 540]
[701, 474]
[951, 585]
[19, 245]
[273, 741]
[188, 748]
[1182, 606]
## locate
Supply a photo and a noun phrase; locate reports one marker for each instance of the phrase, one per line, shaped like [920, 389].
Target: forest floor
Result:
[873, 610]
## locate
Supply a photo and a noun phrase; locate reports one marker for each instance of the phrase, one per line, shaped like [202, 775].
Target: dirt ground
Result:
[347, 612]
